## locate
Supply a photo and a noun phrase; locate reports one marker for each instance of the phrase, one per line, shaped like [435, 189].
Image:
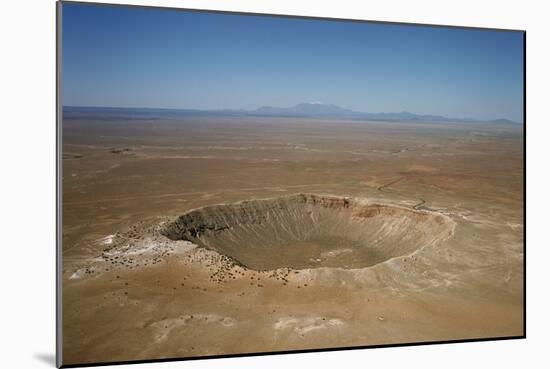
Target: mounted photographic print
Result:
[236, 184]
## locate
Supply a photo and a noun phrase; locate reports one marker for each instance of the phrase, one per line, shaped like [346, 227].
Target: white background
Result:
[27, 180]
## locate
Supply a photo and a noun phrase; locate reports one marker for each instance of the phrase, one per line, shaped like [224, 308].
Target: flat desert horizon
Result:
[193, 236]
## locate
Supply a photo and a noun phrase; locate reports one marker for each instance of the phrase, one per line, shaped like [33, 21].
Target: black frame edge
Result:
[58, 187]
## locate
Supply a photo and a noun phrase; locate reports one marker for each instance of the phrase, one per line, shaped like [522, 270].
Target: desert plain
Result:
[202, 236]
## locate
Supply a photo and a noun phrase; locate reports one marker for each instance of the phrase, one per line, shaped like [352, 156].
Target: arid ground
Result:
[200, 236]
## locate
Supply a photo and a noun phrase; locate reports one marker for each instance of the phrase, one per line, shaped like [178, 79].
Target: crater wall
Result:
[308, 231]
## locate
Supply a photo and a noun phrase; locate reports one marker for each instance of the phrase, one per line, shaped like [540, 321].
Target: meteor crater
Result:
[310, 231]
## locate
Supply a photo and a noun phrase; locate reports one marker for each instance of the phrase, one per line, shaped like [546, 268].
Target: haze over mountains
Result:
[303, 110]
[333, 111]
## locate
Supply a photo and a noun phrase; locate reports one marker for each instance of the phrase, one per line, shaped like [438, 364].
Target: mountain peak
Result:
[315, 109]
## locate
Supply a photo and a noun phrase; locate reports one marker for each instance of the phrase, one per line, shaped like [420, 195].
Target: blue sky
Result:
[137, 57]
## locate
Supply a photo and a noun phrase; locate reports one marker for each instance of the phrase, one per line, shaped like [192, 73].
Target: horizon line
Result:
[283, 107]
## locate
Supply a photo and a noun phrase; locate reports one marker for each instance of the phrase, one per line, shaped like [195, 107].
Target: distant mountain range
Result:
[304, 110]
[319, 110]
